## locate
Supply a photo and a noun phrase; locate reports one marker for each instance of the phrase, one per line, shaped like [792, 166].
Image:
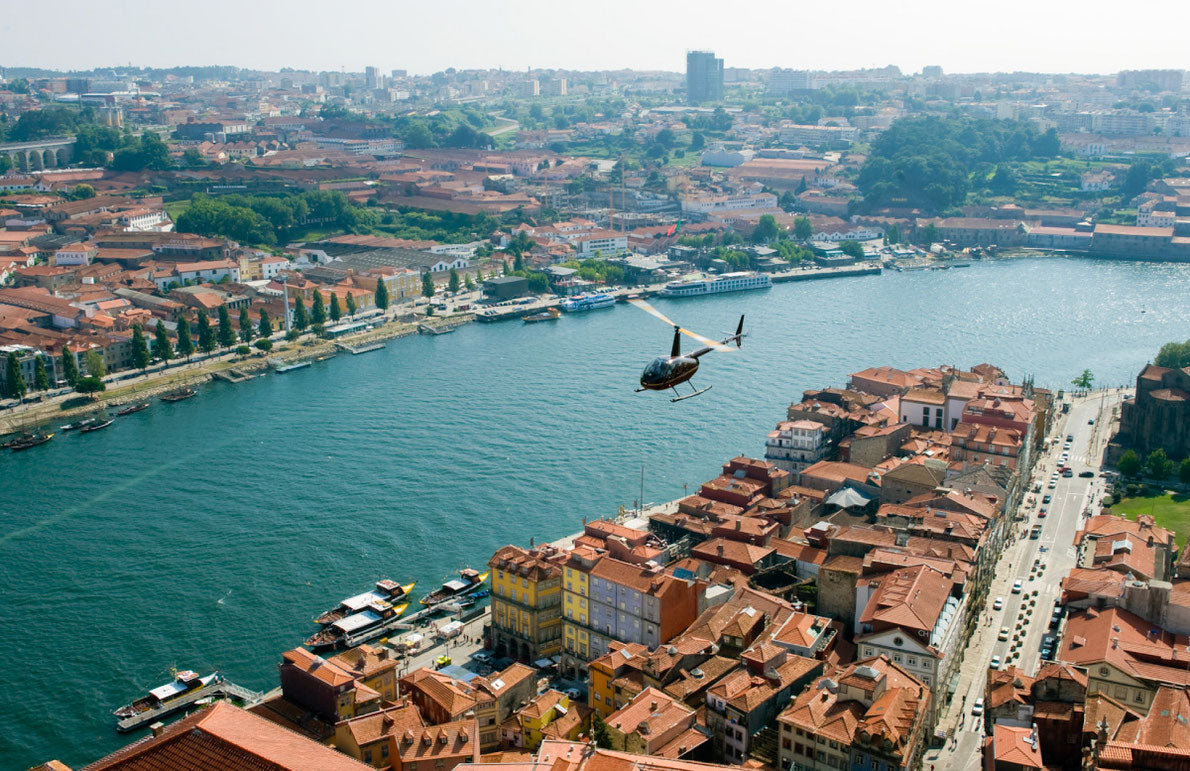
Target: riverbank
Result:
[52, 411]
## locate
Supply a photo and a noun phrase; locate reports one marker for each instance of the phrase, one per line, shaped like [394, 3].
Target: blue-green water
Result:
[206, 534]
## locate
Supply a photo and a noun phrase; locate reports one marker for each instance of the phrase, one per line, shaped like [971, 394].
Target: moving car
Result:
[995, 662]
[1068, 473]
[1003, 636]
[1086, 474]
[1016, 586]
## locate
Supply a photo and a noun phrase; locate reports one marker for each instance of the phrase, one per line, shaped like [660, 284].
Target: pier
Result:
[221, 689]
[357, 350]
[279, 366]
[232, 376]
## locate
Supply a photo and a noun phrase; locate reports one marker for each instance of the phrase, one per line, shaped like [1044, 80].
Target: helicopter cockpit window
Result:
[657, 368]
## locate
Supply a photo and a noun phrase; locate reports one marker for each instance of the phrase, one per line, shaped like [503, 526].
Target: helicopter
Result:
[667, 371]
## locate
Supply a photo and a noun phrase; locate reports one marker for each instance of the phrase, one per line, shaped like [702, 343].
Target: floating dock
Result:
[214, 690]
[232, 376]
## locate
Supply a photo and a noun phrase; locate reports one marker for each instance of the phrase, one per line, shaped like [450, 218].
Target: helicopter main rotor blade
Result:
[647, 308]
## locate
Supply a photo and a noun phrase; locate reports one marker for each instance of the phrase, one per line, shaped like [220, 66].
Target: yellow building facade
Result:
[526, 602]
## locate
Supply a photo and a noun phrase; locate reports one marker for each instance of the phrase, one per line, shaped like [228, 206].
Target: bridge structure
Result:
[42, 154]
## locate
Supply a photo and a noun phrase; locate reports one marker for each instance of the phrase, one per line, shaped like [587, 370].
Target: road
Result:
[1038, 564]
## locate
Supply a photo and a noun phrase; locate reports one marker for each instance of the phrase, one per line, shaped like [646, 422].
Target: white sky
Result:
[423, 37]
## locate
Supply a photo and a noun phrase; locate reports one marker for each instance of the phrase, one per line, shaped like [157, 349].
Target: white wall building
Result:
[795, 445]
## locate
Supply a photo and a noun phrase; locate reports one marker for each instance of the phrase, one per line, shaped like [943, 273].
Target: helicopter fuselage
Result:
[665, 372]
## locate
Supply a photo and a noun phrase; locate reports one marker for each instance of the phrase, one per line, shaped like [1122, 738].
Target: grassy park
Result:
[1170, 510]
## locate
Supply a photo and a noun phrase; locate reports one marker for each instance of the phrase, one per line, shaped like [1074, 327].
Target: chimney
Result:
[157, 728]
[652, 706]
[530, 543]
[737, 524]
[719, 549]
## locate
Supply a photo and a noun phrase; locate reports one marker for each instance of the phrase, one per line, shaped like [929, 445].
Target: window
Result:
[367, 756]
[911, 661]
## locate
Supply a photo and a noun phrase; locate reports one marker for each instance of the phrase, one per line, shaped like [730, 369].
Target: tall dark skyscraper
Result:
[704, 77]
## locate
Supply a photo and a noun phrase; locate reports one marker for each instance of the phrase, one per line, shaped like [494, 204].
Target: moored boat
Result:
[183, 683]
[133, 408]
[726, 282]
[98, 424]
[468, 580]
[179, 395]
[549, 314]
[588, 302]
[31, 441]
[78, 424]
[386, 590]
[379, 617]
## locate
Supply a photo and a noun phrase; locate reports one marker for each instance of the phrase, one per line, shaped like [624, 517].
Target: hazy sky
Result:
[423, 37]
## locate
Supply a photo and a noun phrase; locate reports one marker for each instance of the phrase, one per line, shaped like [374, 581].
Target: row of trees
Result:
[272, 219]
[1174, 355]
[1156, 464]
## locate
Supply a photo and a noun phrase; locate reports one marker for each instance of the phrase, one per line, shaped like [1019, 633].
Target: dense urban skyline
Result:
[424, 39]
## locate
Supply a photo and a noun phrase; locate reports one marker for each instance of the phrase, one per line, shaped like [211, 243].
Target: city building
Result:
[704, 77]
[871, 715]
[526, 602]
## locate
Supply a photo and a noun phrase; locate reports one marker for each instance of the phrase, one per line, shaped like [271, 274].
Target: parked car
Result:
[998, 604]
[995, 662]
[977, 708]
[1004, 633]
[1016, 586]
[1047, 498]
[1070, 437]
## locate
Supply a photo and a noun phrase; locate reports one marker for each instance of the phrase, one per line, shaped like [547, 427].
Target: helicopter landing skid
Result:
[697, 392]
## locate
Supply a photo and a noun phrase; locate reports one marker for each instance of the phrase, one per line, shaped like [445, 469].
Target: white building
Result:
[76, 254]
[707, 204]
[798, 134]
[795, 445]
[210, 271]
[608, 243]
[272, 265]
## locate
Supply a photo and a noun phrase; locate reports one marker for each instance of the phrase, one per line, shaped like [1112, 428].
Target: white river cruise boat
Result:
[725, 282]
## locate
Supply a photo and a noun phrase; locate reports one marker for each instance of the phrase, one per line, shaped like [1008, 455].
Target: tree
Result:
[600, 732]
[300, 321]
[264, 344]
[1084, 380]
[1158, 464]
[1174, 355]
[227, 335]
[93, 360]
[245, 326]
[161, 344]
[82, 192]
[317, 309]
[265, 327]
[852, 248]
[206, 334]
[766, 229]
[351, 306]
[90, 385]
[14, 383]
[336, 311]
[453, 283]
[41, 377]
[381, 295]
[892, 235]
[928, 234]
[1184, 471]
[1129, 463]
[467, 282]
[1137, 179]
[185, 342]
[427, 283]
[802, 229]
[70, 366]
[698, 141]
[140, 348]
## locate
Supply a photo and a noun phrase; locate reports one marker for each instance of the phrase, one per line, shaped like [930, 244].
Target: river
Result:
[205, 534]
